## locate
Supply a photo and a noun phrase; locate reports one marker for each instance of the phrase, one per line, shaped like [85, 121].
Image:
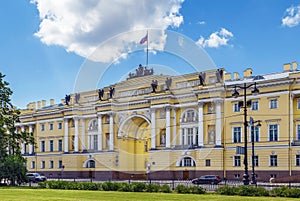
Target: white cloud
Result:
[201, 22]
[80, 26]
[292, 17]
[216, 39]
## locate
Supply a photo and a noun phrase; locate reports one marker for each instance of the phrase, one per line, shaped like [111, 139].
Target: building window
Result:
[187, 162]
[237, 135]
[298, 132]
[273, 132]
[255, 161]
[273, 160]
[297, 160]
[190, 136]
[298, 104]
[237, 176]
[42, 146]
[255, 133]
[254, 105]
[95, 142]
[91, 164]
[42, 164]
[273, 175]
[51, 145]
[273, 103]
[51, 126]
[60, 164]
[207, 162]
[42, 127]
[59, 145]
[32, 164]
[237, 161]
[183, 136]
[59, 125]
[236, 107]
[51, 164]
[190, 116]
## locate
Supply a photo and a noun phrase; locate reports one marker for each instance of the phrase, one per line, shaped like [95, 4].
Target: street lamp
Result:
[245, 104]
[252, 122]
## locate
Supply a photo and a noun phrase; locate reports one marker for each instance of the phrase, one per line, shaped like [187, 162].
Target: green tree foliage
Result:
[11, 161]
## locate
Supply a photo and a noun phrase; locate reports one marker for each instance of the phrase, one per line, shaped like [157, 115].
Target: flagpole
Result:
[147, 48]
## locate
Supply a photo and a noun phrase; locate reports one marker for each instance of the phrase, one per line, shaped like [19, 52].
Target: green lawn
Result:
[48, 194]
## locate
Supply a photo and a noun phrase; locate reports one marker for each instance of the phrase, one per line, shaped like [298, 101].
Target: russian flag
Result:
[144, 39]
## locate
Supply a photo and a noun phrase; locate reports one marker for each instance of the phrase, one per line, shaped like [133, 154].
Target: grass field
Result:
[61, 195]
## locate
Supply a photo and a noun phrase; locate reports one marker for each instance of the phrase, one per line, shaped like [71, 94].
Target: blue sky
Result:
[46, 44]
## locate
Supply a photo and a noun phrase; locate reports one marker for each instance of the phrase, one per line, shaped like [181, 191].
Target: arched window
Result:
[93, 125]
[90, 164]
[187, 162]
[190, 115]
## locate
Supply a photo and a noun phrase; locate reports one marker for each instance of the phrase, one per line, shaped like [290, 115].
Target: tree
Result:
[11, 160]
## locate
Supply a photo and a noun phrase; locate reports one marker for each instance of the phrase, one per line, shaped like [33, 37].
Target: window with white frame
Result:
[42, 164]
[190, 136]
[207, 162]
[91, 164]
[51, 146]
[255, 133]
[59, 145]
[187, 162]
[51, 126]
[59, 125]
[298, 132]
[42, 127]
[273, 132]
[32, 164]
[237, 161]
[255, 161]
[51, 164]
[60, 164]
[237, 134]
[42, 146]
[236, 107]
[190, 116]
[297, 160]
[273, 160]
[254, 105]
[273, 103]
[183, 136]
[298, 104]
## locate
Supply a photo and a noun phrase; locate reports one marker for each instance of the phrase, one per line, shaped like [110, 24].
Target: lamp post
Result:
[252, 122]
[245, 104]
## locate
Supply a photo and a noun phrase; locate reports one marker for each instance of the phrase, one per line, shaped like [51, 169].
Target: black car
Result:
[207, 179]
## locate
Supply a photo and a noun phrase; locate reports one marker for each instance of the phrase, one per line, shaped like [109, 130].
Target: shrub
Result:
[260, 191]
[165, 188]
[42, 184]
[110, 186]
[197, 190]
[152, 188]
[278, 192]
[226, 190]
[182, 189]
[292, 193]
[138, 186]
[246, 190]
[125, 187]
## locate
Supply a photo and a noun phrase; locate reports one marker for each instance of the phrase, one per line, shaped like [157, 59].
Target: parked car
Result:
[207, 179]
[35, 177]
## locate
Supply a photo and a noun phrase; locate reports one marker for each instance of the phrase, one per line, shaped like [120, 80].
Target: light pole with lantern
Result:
[252, 122]
[245, 104]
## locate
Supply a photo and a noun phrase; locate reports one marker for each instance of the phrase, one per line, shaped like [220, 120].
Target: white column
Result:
[168, 129]
[66, 136]
[185, 136]
[194, 136]
[111, 131]
[218, 123]
[99, 132]
[200, 125]
[23, 145]
[30, 145]
[153, 131]
[83, 145]
[174, 128]
[76, 134]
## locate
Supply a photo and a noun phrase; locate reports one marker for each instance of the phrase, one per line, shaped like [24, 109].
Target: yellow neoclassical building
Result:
[169, 127]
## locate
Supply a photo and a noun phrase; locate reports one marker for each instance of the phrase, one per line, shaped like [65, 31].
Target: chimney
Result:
[63, 101]
[39, 105]
[235, 75]
[29, 106]
[286, 67]
[51, 102]
[294, 65]
[248, 72]
[43, 103]
[227, 76]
